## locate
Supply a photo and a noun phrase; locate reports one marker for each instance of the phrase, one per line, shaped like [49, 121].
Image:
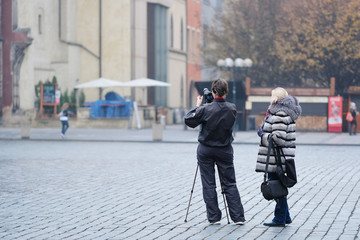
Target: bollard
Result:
[157, 132]
[163, 121]
[25, 126]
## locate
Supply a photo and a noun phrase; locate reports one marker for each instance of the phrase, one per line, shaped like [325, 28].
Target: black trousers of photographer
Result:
[223, 157]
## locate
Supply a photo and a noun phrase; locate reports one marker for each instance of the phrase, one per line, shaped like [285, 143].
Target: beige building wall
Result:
[87, 25]
[177, 55]
[115, 43]
[68, 47]
[46, 57]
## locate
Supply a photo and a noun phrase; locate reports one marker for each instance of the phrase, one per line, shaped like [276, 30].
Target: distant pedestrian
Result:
[280, 123]
[64, 118]
[353, 123]
[217, 119]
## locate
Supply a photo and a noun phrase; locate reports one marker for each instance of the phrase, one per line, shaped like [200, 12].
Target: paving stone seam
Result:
[331, 204]
[352, 211]
[303, 182]
[309, 201]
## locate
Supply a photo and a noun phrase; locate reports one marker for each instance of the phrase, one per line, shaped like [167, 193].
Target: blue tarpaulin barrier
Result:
[114, 106]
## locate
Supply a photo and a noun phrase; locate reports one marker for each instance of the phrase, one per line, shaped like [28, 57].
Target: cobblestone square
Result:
[118, 190]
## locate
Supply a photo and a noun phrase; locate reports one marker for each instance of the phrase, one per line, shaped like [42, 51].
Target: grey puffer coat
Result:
[281, 124]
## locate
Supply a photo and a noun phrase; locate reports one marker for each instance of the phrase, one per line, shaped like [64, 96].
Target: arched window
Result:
[14, 15]
[40, 18]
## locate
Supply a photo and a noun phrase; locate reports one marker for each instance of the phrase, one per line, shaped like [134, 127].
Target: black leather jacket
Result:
[216, 119]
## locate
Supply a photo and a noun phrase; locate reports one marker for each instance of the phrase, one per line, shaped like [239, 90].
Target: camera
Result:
[208, 96]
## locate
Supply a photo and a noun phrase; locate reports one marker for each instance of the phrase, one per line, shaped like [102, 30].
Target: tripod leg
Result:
[224, 198]
[192, 190]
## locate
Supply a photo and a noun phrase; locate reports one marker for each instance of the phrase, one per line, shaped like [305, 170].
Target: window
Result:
[171, 32]
[191, 55]
[188, 41]
[40, 23]
[198, 42]
[14, 14]
[182, 91]
[182, 34]
[205, 30]
[157, 51]
[194, 45]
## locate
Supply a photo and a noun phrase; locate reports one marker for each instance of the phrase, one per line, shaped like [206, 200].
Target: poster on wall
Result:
[49, 93]
[335, 114]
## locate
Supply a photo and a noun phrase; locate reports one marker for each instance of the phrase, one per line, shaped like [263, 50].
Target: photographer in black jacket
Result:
[217, 119]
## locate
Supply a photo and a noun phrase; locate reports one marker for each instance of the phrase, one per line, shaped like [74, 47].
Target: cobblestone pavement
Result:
[117, 190]
[171, 134]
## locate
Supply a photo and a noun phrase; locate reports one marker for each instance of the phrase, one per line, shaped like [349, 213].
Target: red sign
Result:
[335, 114]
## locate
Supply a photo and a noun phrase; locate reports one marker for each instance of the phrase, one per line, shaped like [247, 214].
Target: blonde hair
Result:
[277, 94]
[352, 105]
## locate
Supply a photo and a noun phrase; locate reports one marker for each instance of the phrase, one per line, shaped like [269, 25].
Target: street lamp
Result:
[234, 66]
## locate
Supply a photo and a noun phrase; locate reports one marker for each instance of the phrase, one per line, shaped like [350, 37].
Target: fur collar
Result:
[289, 105]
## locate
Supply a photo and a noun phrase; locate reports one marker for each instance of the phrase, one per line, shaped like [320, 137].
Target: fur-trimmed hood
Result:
[289, 104]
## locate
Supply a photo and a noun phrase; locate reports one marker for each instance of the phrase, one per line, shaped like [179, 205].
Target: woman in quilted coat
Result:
[280, 123]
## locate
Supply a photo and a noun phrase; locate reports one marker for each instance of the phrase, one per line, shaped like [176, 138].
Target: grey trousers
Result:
[223, 158]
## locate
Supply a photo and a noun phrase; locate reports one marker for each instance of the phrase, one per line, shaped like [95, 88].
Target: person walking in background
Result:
[64, 118]
[353, 123]
[217, 119]
[280, 123]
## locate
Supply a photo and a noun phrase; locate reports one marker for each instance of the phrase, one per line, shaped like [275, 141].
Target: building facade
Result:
[80, 41]
[177, 54]
[104, 28]
[194, 39]
[15, 39]
[74, 41]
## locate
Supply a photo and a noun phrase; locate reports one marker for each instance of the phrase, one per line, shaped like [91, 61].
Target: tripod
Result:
[192, 190]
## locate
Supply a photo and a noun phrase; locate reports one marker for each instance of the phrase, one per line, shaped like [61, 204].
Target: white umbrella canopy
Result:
[145, 82]
[100, 83]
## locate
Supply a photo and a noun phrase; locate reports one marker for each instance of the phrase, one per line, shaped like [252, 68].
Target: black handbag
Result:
[272, 189]
[287, 178]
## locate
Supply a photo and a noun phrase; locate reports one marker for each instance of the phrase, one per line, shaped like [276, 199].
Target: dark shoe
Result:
[274, 224]
[288, 221]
